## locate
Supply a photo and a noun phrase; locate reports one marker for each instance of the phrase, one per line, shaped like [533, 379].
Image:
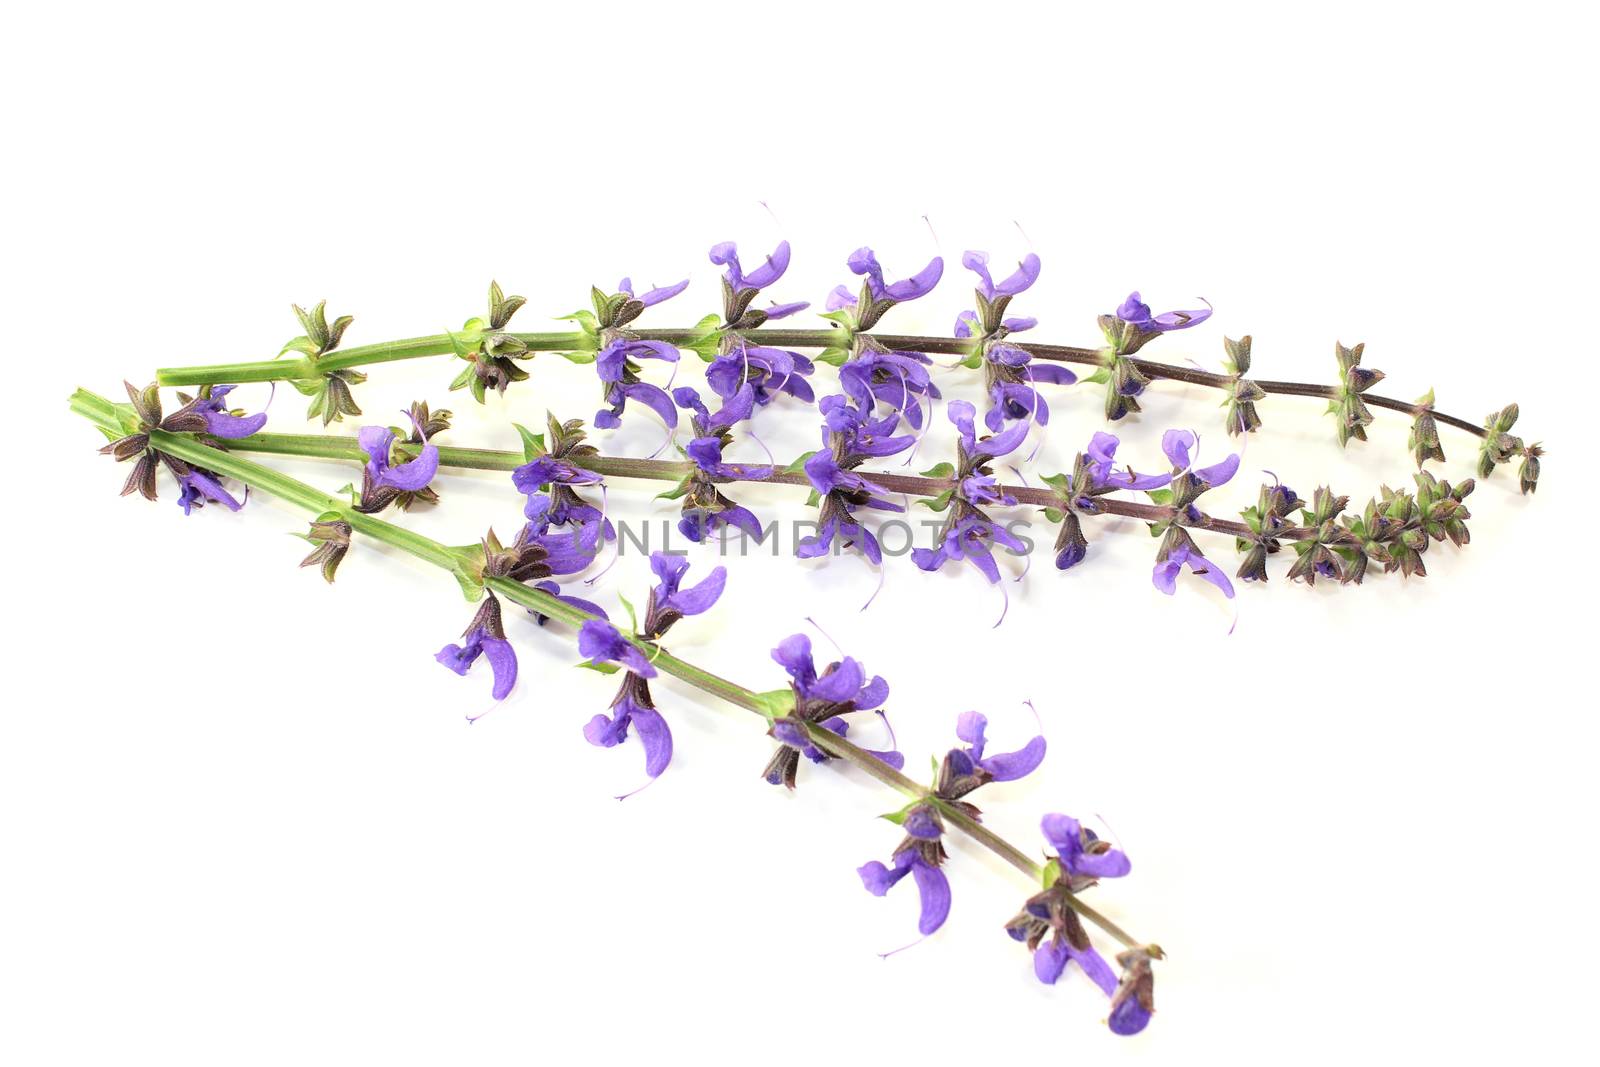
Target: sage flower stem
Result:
[115, 420]
[439, 344]
[323, 447]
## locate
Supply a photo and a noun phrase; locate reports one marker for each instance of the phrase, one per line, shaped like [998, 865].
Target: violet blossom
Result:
[899, 380]
[527, 559]
[921, 853]
[1081, 860]
[1010, 373]
[705, 507]
[1178, 549]
[968, 532]
[850, 438]
[601, 642]
[737, 284]
[220, 421]
[769, 371]
[820, 700]
[196, 484]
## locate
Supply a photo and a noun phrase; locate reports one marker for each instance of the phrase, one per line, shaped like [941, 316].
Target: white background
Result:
[242, 819]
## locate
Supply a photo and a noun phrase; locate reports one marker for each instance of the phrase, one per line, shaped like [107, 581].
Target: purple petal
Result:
[1024, 276]
[919, 284]
[1095, 966]
[233, 427]
[666, 292]
[212, 490]
[654, 399]
[699, 598]
[1064, 833]
[1176, 445]
[1219, 473]
[1165, 576]
[415, 474]
[935, 891]
[970, 727]
[1128, 1017]
[656, 738]
[375, 442]
[783, 311]
[1049, 960]
[793, 654]
[503, 660]
[1112, 864]
[770, 271]
[1009, 766]
[606, 732]
[879, 879]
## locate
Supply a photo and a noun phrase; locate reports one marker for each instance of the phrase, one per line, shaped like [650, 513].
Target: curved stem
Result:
[111, 419]
[439, 344]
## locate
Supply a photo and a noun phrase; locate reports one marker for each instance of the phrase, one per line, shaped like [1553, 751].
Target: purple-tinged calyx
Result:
[739, 289]
[197, 485]
[1267, 518]
[489, 348]
[820, 702]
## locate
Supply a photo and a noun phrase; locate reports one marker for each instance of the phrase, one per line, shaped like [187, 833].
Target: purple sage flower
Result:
[1019, 281]
[898, 380]
[705, 507]
[1135, 312]
[602, 642]
[820, 700]
[968, 532]
[409, 477]
[769, 371]
[1165, 574]
[1005, 766]
[220, 421]
[1081, 860]
[932, 885]
[864, 261]
[617, 366]
[739, 288]
[851, 438]
[196, 486]
[652, 297]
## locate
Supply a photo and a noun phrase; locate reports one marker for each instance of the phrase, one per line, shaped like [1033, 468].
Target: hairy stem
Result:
[112, 419]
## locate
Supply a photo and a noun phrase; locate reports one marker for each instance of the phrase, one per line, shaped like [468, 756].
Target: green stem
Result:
[112, 419]
[439, 344]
